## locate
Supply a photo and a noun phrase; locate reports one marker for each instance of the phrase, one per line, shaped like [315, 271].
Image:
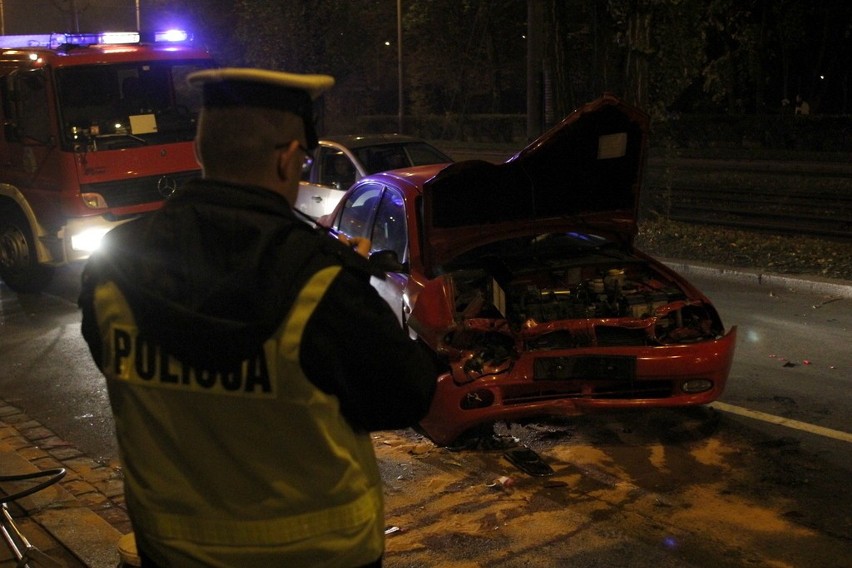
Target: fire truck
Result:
[97, 130]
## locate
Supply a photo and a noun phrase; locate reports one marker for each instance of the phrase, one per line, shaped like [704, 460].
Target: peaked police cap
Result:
[241, 87]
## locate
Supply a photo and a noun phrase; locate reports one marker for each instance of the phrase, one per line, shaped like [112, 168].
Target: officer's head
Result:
[256, 125]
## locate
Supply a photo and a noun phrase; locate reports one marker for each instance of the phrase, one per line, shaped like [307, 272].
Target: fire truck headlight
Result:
[88, 240]
[94, 200]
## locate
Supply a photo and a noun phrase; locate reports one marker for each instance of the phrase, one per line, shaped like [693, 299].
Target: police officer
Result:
[247, 358]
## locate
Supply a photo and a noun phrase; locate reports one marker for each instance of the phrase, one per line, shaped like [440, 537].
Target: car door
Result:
[355, 218]
[389, 231]
[323, 184]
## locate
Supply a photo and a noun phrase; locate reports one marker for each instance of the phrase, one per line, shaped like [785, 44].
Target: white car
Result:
[340, 161]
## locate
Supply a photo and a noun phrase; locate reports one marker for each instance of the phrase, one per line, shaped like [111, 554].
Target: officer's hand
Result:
[360, 245]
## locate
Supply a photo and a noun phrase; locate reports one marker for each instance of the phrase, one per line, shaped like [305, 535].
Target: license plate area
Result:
[585, 367]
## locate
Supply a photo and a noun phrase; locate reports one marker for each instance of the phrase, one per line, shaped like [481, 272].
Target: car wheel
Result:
[19, 266]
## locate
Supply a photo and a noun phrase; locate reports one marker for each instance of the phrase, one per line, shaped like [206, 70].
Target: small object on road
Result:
[528, 461]
[420, 449]
[789, 364]
[501, 482]
[821, 304]
[392, 530]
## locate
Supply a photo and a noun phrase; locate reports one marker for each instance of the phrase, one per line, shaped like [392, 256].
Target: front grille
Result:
[585, 367]
[644, 389]
[527, 394]
[135, 191]
[602, 377]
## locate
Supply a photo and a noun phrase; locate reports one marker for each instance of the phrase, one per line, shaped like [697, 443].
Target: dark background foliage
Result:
[536, 60]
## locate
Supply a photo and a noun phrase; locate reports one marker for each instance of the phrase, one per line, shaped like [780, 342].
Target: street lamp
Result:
[399, 61]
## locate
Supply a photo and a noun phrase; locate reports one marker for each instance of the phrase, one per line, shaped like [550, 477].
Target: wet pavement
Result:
[79, 521]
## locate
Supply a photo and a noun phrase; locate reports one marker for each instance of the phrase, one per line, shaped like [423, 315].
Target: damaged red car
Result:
[523, 280]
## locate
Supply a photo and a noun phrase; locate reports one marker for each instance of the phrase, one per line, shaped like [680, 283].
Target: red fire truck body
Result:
[95, 132]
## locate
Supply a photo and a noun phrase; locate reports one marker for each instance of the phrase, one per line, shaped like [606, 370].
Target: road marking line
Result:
[804, 426]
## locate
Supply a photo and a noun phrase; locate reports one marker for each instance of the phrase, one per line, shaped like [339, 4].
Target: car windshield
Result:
[112, 106]
[386, 157]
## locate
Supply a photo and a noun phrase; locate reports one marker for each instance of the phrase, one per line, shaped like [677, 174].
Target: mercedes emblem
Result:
[166, 186]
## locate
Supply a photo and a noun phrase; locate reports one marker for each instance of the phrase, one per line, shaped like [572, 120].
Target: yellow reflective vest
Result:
[307, 491]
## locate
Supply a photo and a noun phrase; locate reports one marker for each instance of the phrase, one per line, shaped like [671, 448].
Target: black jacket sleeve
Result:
[89, 324]
[353, 347]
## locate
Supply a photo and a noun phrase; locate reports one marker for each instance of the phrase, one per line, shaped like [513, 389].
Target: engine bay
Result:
[571, 295]
[543, 299]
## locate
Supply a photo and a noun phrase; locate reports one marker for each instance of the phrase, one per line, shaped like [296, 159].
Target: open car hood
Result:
[581, 175]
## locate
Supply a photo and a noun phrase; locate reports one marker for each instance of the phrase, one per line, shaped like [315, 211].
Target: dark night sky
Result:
[46, 16]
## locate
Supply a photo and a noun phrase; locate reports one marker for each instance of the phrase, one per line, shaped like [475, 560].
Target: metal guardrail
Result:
[783, 197]
[817, 214]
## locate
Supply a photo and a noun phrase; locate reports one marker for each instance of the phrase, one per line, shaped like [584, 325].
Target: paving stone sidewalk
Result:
[79, 520]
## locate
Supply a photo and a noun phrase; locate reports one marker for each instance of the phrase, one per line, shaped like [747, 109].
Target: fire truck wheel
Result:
[19, 267]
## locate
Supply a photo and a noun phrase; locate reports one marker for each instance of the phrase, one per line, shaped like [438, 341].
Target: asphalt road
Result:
[759, 480]
[46, 369]
[793, 359]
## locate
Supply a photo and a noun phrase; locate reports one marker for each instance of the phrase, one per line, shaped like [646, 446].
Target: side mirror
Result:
[386, 261]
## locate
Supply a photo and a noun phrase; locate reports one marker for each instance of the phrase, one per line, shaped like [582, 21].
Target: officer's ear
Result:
[287, 156]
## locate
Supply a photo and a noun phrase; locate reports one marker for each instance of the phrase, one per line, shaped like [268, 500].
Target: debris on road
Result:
[528, 461]
[502, 482]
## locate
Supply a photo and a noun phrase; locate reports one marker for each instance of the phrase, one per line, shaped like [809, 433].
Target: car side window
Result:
[382, 158]
[389, 229]
[358, 209]
[336, 170]
[422, 154]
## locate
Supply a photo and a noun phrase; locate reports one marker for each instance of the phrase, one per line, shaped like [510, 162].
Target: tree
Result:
[646, 51]
[465, 57]
[475, 63]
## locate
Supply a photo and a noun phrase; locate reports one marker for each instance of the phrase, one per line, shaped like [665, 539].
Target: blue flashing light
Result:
[119, 37]
[106, 38]
[32, 40]
[171, 36]
[56, 40]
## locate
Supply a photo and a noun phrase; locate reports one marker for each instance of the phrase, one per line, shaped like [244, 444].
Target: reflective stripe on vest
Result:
[308, 298]
[270, 532]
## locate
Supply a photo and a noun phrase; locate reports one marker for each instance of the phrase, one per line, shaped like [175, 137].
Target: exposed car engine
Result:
[546, 304]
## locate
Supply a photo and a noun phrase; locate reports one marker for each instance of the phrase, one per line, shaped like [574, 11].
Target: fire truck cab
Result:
[97, 129]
